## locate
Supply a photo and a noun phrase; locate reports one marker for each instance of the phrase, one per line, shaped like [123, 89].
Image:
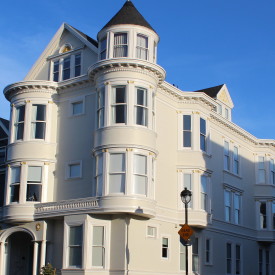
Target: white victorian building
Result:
[99, 149]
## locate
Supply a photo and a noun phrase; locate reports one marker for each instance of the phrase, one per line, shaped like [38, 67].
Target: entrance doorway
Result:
[20, 254]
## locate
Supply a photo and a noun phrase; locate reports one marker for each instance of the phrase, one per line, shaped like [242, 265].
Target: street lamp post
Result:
[186, 198]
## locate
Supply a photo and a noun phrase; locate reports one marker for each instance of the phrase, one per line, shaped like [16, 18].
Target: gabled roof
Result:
[212, 92]
[85, 39]
[85, 36]
[128, 14]
[220, 93]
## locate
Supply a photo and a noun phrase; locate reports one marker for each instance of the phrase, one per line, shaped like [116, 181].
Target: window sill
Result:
[232, 174]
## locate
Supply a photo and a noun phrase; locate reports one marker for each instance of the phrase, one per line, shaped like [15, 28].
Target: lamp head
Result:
[186, 196]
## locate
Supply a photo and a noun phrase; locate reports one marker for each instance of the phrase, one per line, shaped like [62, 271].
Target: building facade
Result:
[100, 147]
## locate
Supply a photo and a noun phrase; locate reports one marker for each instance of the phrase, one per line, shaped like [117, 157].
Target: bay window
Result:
[129, 172]
[119, 104]
[117, 173]
[19, 122]
[15, 183]
[141, 107]
[34, 183]
[38, 124]
[75, 246]
[98, 246]
[142, 47]
[187, 131]
[140, 175]
[120, 45]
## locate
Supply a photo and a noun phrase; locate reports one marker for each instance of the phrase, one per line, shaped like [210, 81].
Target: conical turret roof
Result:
[128, 14]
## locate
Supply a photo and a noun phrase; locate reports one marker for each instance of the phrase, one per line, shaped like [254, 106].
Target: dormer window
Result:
[142, 46]
[103, 48]
[120, 45]
[66, 67]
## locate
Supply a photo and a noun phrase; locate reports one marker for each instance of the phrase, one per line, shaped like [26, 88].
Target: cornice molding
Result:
[135, 65]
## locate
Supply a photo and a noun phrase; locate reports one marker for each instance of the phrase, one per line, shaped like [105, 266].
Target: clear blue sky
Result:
[204, 43]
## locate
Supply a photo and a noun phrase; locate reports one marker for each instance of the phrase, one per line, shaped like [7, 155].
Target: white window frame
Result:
[236, 160]
[98, 175]
[187, 130]
[140, 48]
[116, 46]
[114, 105]
[40, 183]
[145, 176]
[103, 51]
[38, 121]
[17, 123]
[71, 163]
[155, 231]
[75, 101]
[103, 246]
[261, 168]
[101, 95]
[143, 107]
[168, 248]
[66, 258]
[117, 173]
[71, 55]
[226, 156]
[16, 183]
[208, 251]
[203, 135]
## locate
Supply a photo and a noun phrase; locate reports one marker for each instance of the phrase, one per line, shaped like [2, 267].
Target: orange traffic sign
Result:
[186, 232]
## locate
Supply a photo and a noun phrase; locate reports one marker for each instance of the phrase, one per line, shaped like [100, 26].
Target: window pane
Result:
[119, 95]
[14, 197]
[117, 183]
[75, 235]
[140, 186]
[56, 71]
[141, 116]
[66, 68]
[20, 113]
[19, 131]
[119, 114]
[140, 164]
[98, 256]
[142, 97]
[75, 256]
[98, 235]
[38, 112]
[33, 192]
[74, 170]
[117, 163]
[38, 130]
[34, 173]
[186, 122]
[187, 181]
[203, 126]
[77, 107]
[15, 175]
[186, 139]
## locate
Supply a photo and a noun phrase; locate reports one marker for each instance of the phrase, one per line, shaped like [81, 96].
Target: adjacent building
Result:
[100, 147]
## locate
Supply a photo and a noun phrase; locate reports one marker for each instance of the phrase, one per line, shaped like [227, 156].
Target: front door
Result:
[20, 254]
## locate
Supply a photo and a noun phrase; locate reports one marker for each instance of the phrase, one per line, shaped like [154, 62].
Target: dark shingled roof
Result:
[212, 92]
[128, 14]
[85, 36]
[2, 132]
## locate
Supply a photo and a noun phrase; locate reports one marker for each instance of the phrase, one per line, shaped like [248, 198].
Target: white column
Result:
[35, 254]
[2, 253]
[43, 254]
